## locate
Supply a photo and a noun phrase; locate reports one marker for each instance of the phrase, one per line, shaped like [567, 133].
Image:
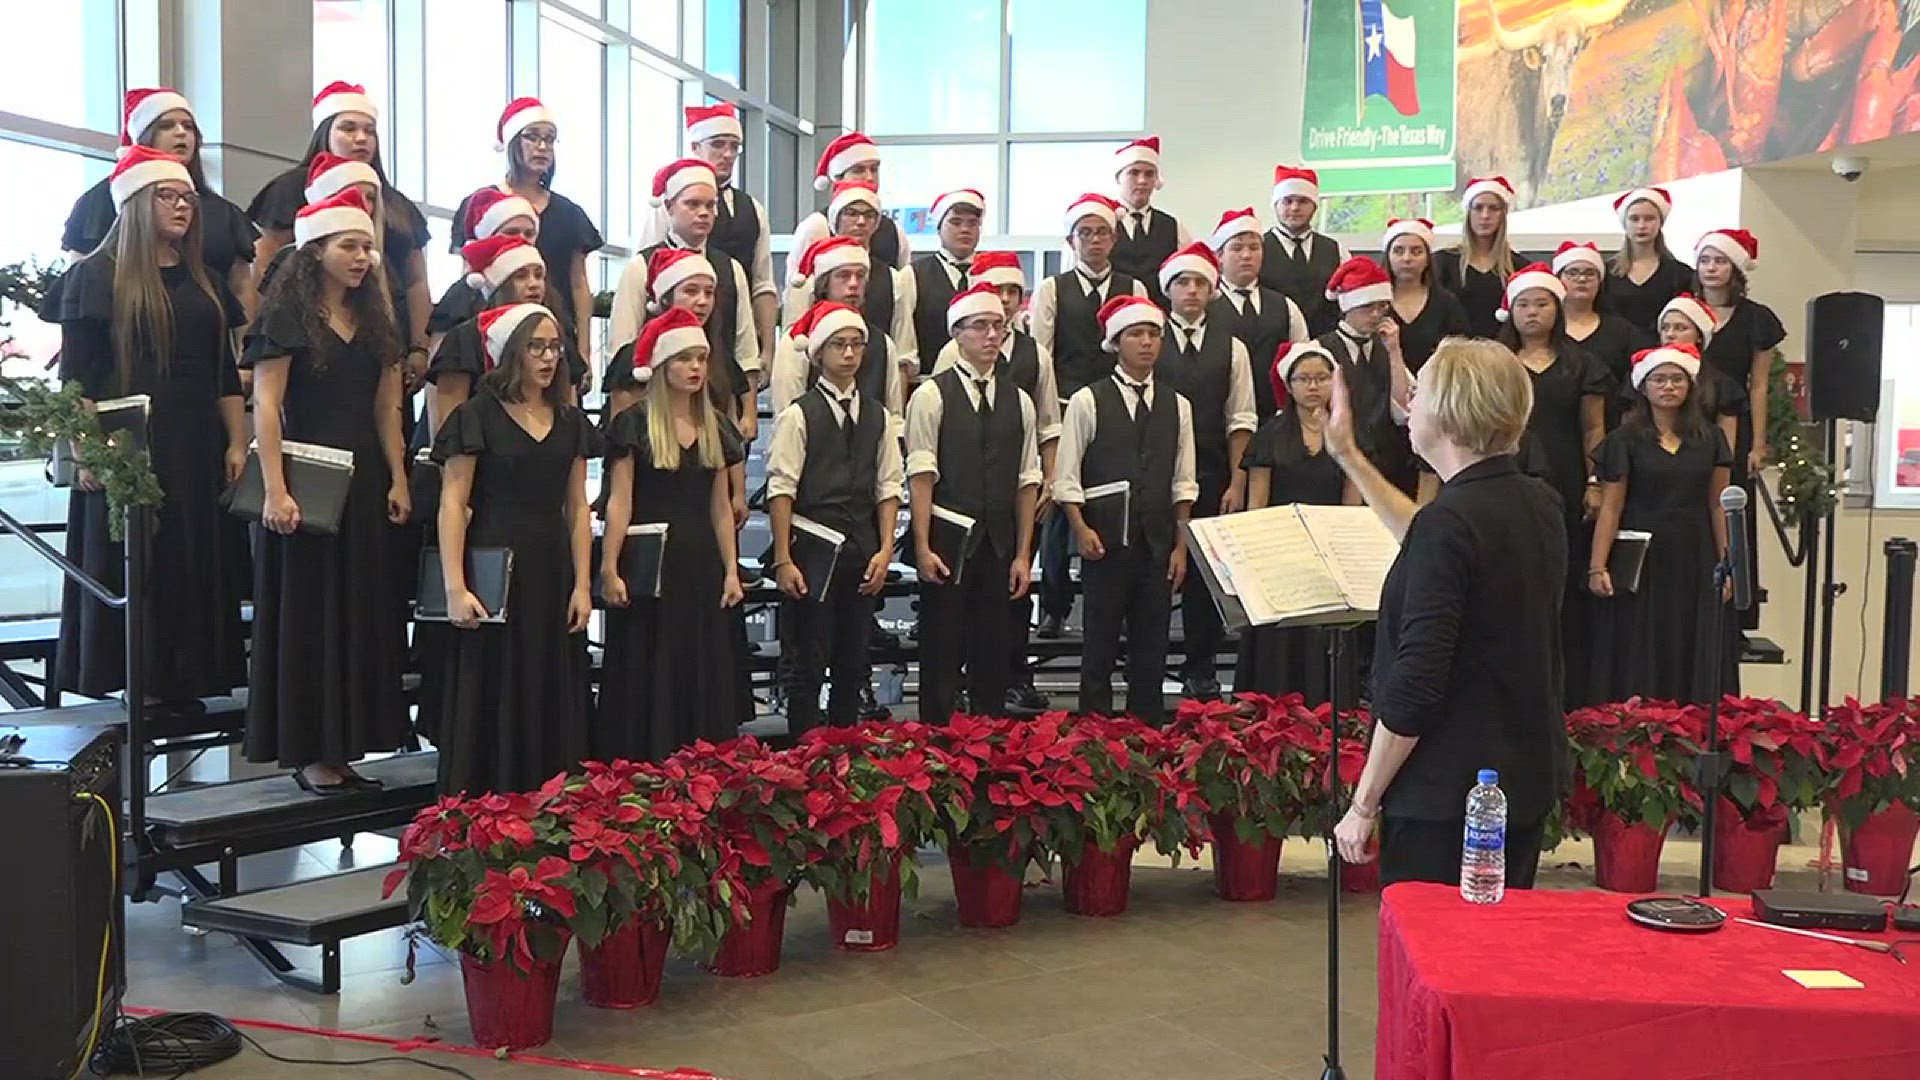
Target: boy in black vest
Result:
[835, 460]
[1298, 261]
[1129, 427]
[971, 449]
[835, 270]
[1143, 236]
[888, 298]
[934, 279]
[1366, 342]
[1260, 318]
[1065, 321]
[852, 156]
[1210, 368]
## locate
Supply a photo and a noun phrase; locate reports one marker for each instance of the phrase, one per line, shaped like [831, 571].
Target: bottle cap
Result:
[1489, 776]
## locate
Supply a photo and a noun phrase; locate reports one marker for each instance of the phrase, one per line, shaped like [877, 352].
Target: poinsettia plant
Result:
[1634, 759]
[1315, 729]
[1131, 788]
[1872, 758]
[764, 830]
[1776, 755]
[879, 790]
[1249, 760]
[1018, 774]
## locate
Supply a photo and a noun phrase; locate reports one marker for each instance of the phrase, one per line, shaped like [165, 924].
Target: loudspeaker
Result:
[63, 899]
[1844, 330]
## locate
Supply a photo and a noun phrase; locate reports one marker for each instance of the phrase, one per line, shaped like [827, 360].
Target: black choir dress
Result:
[1479, 296]
[463, 352]
[1560, 438]
[1289, 659]
[406, 231]
[1640, 302]
[329, 637]
[669, 676]
[226, 236]
[195, 638]
[518, 705]
[566, 232]
[1613, 343]
[1654, 642]
[1442, 316]
[1748, 328]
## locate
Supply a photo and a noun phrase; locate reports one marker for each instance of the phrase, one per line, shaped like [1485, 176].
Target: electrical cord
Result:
[106, 932]
[171, 1045]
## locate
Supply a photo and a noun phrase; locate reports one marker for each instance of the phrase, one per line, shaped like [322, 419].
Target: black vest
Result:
[877, 305]
[1140, 452]
[1303, 281]
[1078, 357]
[736, 232]
[885, 244]
[1141, 256]
[722, 325]
[872, 376]
[1262, 334]
[1369, 387]
[933, 291]
[1022, 365]
[980, 460]
[1203, 381]
[836, 484]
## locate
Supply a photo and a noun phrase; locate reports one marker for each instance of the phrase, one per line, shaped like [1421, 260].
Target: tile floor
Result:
[1182, 985]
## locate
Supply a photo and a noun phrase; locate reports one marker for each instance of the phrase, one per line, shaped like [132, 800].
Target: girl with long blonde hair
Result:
[1477, 268]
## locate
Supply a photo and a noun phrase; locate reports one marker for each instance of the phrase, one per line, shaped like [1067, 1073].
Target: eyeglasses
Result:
[1668, 378]
[531, 139]
[860, 214]
[845, 348]
[1100, 232]
[985, 326]
[1311, 380]
[1580, 273]
[545, 350]
[170, 199]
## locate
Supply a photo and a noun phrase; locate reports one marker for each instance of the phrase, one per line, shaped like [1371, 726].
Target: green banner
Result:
[1377, 111]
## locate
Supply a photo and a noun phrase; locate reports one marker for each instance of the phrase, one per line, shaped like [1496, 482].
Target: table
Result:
[1560, 984]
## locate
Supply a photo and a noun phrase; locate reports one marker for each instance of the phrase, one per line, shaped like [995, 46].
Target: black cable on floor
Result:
[172, 1045]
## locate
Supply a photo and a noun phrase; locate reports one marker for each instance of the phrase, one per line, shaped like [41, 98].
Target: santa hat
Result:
[826, 255]
[672, 179]
[1498, 186]
[979, 299]
[338, 97]
[1121, 312]
[1358, 282]
[665, 336]
[823, 320]
[492, 261]
[1697, 313]
[848, 192]
[1234, 223]
[330, 174]
[1658, 196]
[1572, 254]
[706, 121]
[842, 154]
[1684, 357]
[957, 197]
[1737, 244]
[1419, 228]
[996, 268]
[1532, 276]
[1195, 258]
[498, 324]
[1288, 357]
[1288, 180]
[1099, 206]
[143, 107]
[1139, 152]
[520, 114]
[142, 166]
[344, 211]
[669, 267]
[489, 210]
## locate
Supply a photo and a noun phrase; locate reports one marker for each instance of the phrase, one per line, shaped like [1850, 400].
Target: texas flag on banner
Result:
[1387, 57]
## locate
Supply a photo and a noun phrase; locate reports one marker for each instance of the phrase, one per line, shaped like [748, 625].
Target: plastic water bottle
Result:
[1483, 855]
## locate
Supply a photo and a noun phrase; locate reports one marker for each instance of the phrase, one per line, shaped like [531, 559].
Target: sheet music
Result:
[1276, 570]
[1358, 550]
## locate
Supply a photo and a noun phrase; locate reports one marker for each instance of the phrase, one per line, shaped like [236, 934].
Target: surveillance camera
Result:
[1850, 169]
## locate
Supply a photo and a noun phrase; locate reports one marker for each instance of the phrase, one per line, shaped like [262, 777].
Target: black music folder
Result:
[642, 560]
[115, 415]
[423, 484]
[318, 478]
[1626, 559]
[816, 553]
[1105, 512]
[489, 576]
[951, 536]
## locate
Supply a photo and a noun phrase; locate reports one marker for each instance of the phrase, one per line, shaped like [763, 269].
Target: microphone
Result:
[1733, 503]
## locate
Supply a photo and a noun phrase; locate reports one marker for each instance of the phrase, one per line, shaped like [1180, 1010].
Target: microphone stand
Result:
[1711, 768]
[1338, 642]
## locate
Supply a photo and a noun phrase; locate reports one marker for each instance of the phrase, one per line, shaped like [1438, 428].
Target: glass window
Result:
[351, 44]
[465, 74]
[571, 85]
[63, 63]
[1045, 177]
[1069, 78]
[913, 176]
[443, 266]
[1897, 479]
[932, 69]
[783, 189]
[783, 55]
[655, 132]
[656, 22]
[723, 46]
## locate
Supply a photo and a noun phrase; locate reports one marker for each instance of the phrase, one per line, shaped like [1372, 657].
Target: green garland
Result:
[1807, 490]
[41, 415]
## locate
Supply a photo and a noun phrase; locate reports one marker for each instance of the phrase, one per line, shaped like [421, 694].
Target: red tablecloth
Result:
[1559, 985]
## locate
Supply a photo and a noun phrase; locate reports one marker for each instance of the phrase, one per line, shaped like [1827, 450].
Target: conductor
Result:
[1466, 667]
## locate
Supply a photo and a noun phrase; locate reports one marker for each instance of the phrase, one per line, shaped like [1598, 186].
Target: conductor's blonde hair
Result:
[1478, 394]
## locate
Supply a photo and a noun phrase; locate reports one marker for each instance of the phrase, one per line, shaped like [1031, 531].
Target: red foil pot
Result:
[1097, 882]
[872, 925]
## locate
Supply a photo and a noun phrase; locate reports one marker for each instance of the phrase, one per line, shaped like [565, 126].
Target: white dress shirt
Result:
[1046, 391]
[654, 229]
[906, 340]
[787, 452]
[1241, 413]
[928, 406]
[1077, 431]
[1400, 395]
[630, 309]
[815, 227]
[1292, 244]
[1126, 226]
[1246, 300]
[788, 380]
[1044, 311]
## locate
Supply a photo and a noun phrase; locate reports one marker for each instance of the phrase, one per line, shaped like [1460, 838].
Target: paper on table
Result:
[1359, 550]
[1824, 980]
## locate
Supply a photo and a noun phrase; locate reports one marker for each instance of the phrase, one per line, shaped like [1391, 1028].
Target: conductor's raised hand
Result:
[931, 567]
[1338, 433]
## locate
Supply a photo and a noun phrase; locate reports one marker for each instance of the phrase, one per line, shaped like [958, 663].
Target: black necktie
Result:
[1186, 341]
[956, 271]
[983, 387]
[1243, 299]
[1139, 224]
[1094, 284]
[846, 416]
[1300, 247]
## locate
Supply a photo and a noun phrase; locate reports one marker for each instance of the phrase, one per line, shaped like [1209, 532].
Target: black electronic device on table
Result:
[1676, 914]
[1819, 910]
